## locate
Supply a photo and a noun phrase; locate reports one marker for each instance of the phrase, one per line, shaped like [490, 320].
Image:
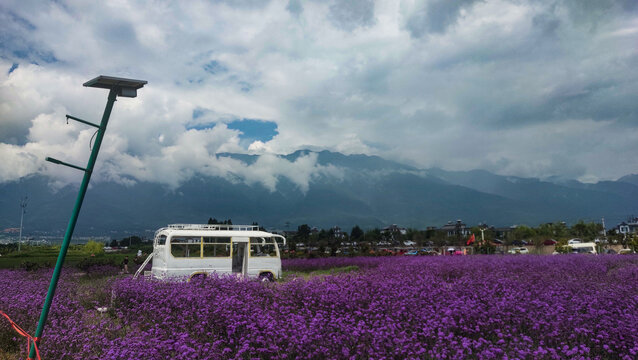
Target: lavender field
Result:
[517, 307]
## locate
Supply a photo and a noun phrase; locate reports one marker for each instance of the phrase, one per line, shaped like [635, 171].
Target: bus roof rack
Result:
[214, 227]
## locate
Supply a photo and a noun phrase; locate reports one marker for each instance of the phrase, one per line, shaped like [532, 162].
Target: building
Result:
[630, 227]
[394, 229]
[455, 229]
[338, 234]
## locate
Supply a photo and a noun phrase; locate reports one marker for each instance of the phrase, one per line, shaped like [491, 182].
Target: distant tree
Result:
[261, 228]
[212, 221]
[94, 247]
[562, 247]
[303, 231]
[131, 241]
[538, 242]
[579, 229]
[632, 242]
[414, 235]
[356, 234]
[320, 240]
[482, 243]
[373, 237]
[302, 236]
[560, 230]
[484, 247]
[586, 231]
[113, 243]
[523, 232]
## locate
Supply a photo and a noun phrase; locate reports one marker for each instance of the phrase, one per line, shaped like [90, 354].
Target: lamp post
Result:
[117, 87]
[23, 205]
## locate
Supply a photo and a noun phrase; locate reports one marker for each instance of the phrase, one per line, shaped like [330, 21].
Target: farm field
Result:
[465, 307]
[46, 256]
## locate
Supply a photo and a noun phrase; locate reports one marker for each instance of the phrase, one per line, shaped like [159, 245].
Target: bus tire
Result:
[266, 277]
[200, 276]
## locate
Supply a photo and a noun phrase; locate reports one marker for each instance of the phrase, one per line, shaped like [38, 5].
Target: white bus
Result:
[182, 251]
[583, 248]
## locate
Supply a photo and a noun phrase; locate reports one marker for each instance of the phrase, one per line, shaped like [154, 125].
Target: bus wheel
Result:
[198, 278]
[266, 277]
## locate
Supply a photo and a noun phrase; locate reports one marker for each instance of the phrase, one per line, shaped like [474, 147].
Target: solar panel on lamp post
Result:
[117, 87]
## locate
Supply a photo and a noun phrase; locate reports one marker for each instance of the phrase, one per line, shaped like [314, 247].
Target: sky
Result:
[531, 88]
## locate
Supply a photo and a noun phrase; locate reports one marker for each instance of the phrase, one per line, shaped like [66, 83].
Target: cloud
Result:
[349, 15]
[295, 7]
[435, 16]
[529, 88]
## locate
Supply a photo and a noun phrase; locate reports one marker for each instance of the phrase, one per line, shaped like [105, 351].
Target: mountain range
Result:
[370, 192]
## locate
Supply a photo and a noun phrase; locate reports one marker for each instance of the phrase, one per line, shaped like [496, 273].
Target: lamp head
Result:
[125, 87]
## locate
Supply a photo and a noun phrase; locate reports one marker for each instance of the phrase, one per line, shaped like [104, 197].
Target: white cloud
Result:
[530, 88]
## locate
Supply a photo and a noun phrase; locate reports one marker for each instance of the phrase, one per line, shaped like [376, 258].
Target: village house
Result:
[627, 228]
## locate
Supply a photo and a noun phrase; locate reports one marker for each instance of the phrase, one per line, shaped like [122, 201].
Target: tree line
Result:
[486, 238]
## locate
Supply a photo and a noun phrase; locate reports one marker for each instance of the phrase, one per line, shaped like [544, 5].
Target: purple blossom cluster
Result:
[480, 307]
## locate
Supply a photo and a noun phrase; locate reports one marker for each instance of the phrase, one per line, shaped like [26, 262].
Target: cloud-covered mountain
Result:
[359, 189]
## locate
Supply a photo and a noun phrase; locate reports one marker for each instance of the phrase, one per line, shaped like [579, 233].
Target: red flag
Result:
[470, 240]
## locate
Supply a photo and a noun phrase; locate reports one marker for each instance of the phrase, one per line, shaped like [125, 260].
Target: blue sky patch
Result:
[253, 130]
[214, 67]
[34, 55]
[199, 112]
[202, 126]
[13, 67]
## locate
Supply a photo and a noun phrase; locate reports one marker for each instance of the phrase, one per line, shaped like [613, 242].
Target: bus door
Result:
[239, 244]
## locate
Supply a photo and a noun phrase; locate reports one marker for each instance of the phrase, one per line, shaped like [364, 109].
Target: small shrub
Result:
[91, 262]
[32, 266]
[93, 247]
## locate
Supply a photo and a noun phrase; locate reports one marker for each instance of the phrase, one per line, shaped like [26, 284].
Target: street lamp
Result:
[23, 205]
[117, 87]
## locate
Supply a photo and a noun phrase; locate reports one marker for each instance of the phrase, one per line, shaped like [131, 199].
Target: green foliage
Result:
[485, 248]
[33, 257]
[373, 235]
[303, 232]
[213, 221]
[33, 266]
[556, 230]
[130, 241]
[562, 247]
[356, 234]
[586, 231]
[523, 232]
[89, 262]
[94, 247]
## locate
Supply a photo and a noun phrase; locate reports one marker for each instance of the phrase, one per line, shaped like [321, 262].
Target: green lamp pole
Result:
[117, 87]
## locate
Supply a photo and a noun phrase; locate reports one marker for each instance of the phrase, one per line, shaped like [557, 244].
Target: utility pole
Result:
[23, 205]
[117, 87]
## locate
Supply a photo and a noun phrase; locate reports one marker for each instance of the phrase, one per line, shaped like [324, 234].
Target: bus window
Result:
[186, 246]
[161, 240]
[262, 247]
[216, 246]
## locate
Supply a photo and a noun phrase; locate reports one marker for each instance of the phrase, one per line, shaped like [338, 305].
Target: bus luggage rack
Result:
[214, 227]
